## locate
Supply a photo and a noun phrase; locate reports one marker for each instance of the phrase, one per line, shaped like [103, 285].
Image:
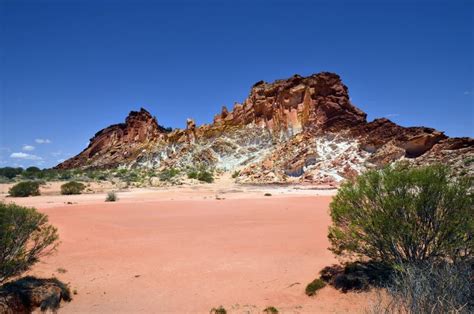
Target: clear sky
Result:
[70, 68]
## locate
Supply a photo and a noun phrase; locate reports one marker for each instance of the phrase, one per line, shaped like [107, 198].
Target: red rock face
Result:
[319, 101]
[118, 143]
[301, 128]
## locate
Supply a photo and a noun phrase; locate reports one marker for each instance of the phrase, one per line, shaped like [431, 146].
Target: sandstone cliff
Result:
[303, 129]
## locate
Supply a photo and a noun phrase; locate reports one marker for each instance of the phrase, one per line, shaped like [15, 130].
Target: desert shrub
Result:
[235, 174]
[314, 286]
[429, 288]
[64, 175]
[201, 174]
[267, 194]
[404, 214]
[25, 236]
[72, 187]
[32, 173]
[24, 189]
[219, 310]
[168, 174]
[205, 176]
[193, 174]
[270, 310]
[111, 197]
[10, 172]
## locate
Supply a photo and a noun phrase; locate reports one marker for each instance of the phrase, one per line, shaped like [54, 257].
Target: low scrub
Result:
[429, 288]
[202, 175]
[270, 310]
[111, 197]
[168, 174]
[25, 236]
[219, 310]
[24, 189]
[72, 187]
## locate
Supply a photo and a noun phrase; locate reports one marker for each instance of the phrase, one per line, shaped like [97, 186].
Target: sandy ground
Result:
[181, 250]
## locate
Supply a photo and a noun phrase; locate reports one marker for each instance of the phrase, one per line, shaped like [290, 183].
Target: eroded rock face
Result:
[302, 129]
[118, 143]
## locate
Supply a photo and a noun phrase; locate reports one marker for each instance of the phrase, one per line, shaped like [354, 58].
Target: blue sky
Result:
[70, 68]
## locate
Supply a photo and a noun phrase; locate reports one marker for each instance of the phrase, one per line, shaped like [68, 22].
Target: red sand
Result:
[187, 256]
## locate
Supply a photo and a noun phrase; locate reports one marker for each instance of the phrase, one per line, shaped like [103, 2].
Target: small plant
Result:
[193, 174]
[168, 174]
[270, 310]
[25, 236]
[235, 174]
[205, 176]
[314, 286]
[111, 197]
[61, 270]
[219, 310]
[267, 194]
[72, 187]
[24, 189]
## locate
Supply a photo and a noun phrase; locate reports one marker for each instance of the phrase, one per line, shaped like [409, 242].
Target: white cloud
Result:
[56, 154]
[28, 148]
[61, 160]
[25, 156]
[42, 141]
[391, 115]
[467, 92]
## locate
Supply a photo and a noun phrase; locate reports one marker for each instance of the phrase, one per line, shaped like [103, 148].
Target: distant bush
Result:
[193, 174]
[267, 194]
[111, 197]
[205, 176]
[270, 310]
[235, 174]
[25, 236]
[72, 187]
[10, 172]
[201, 174]
[314, 286]
[168, 174]
[219, 310]
[24, 189]
[403, 214]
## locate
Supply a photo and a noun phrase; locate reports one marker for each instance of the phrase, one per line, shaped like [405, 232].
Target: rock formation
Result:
[303, 129]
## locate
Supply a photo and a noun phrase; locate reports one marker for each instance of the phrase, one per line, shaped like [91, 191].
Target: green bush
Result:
[111, 197]
[235, 174]
[25, 236]
[24, 189]
[314, 286]
[193, 174]
[404, 214]
[270, 310]
[205, 176]
[168, 174]
[72, 187]
[219, 310]
[10, 172]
